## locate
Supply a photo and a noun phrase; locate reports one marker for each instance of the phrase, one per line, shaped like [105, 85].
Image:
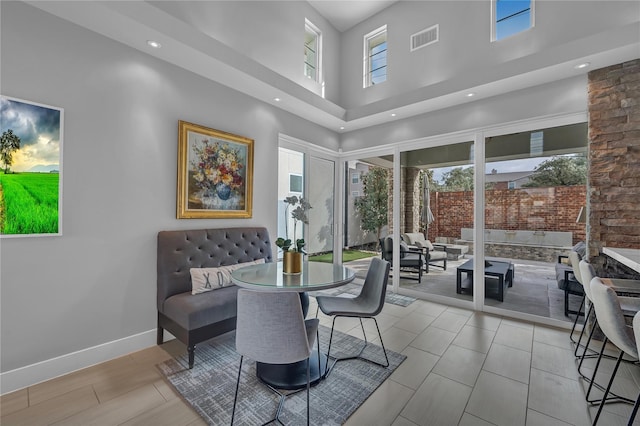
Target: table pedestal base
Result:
[292, 376]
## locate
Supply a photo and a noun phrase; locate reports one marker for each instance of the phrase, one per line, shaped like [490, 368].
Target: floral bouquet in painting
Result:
[217, 168]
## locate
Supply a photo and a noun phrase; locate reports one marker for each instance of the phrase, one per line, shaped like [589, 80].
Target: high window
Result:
[375, 57]
[511, 17]
[312, 51]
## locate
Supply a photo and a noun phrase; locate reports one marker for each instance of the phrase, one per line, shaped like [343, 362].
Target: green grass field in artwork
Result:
[29, 203]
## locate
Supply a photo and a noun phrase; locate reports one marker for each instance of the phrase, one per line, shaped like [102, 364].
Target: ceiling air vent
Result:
[424, 38]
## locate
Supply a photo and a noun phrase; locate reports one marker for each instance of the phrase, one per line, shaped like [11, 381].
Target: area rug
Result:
[210, 386]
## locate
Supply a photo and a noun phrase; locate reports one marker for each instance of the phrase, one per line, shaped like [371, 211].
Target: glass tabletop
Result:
[314, 276]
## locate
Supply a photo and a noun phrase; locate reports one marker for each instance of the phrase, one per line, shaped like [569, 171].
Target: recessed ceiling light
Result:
[341, 127]
[276, 99]
[471, 95]
[582, 65]
[154, 44]
[393, 114]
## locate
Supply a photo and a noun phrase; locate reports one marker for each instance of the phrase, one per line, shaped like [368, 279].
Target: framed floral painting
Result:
[215, 173]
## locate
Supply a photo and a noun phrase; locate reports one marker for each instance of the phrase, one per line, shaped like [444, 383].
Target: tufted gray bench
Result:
[195, 318]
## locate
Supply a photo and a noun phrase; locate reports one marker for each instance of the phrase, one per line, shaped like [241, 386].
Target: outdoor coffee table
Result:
[503, 271]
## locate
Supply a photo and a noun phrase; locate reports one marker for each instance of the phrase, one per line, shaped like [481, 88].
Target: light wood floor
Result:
[462, 368]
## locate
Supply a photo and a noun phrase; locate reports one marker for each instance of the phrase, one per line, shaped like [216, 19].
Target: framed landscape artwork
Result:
[31, 168]
[215, 173]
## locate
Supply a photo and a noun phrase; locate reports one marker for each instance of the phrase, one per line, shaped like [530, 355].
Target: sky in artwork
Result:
[38, 128]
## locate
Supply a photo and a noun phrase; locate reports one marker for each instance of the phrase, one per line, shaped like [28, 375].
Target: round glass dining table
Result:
[270, 277]
[314, 276]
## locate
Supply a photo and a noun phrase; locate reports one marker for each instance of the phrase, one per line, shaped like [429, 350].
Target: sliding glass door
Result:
[321, 190]
[368, 209]
[437, 217]
[306, 199]
[535, 188]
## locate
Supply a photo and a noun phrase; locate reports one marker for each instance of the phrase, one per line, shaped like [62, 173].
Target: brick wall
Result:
[533, 209]
[614, 162]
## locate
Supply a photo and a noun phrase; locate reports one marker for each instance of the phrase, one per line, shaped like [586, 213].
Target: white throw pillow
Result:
[208, 279]
[425, 243]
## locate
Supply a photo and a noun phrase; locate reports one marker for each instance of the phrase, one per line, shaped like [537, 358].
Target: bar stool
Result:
[574, 259]
[636, 333]
[629, 305]
[612, 323]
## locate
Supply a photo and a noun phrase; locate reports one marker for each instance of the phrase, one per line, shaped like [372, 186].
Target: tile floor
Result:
[469, 368]
[462, 368]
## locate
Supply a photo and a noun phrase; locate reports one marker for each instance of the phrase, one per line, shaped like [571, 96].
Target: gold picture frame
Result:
[215, 173]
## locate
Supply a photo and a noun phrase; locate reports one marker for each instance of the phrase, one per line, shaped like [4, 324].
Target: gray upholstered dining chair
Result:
[271, 329]
[367, 304]
[612, 323]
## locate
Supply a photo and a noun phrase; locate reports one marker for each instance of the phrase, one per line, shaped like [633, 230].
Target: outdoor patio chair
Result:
[412, 260]
[433, 256]
[566, 277]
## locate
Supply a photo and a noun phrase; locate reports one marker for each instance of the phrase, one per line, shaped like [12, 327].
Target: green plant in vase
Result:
[299, 214]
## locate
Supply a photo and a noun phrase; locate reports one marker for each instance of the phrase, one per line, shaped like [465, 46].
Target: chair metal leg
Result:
[634, 412]
[592, 382]
[589, 314]
[359, 354]
[235, 399]
[364, 334]
[595, 370]
[606, 392]
[326, 367]
[282, 395]
[586, 348]
[575, 322]
[318, 346]
[382, 344]
[308, 386]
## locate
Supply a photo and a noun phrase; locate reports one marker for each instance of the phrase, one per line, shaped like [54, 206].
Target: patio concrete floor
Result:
[535, 290]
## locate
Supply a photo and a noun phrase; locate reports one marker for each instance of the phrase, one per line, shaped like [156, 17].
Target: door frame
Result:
[310, 150]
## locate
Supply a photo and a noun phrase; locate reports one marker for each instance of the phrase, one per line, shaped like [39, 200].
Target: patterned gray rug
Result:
[209, 387]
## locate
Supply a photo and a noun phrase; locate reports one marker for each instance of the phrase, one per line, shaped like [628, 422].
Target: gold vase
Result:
[292, 262]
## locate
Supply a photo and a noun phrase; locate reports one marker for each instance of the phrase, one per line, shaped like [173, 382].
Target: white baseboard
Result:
[45, 370]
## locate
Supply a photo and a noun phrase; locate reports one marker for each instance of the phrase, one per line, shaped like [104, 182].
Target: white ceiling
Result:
[345, 14]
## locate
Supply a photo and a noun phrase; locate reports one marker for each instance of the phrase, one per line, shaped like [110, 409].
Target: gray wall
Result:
[458, 58]
[96, 283]
[560, 97]
[271, 33]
